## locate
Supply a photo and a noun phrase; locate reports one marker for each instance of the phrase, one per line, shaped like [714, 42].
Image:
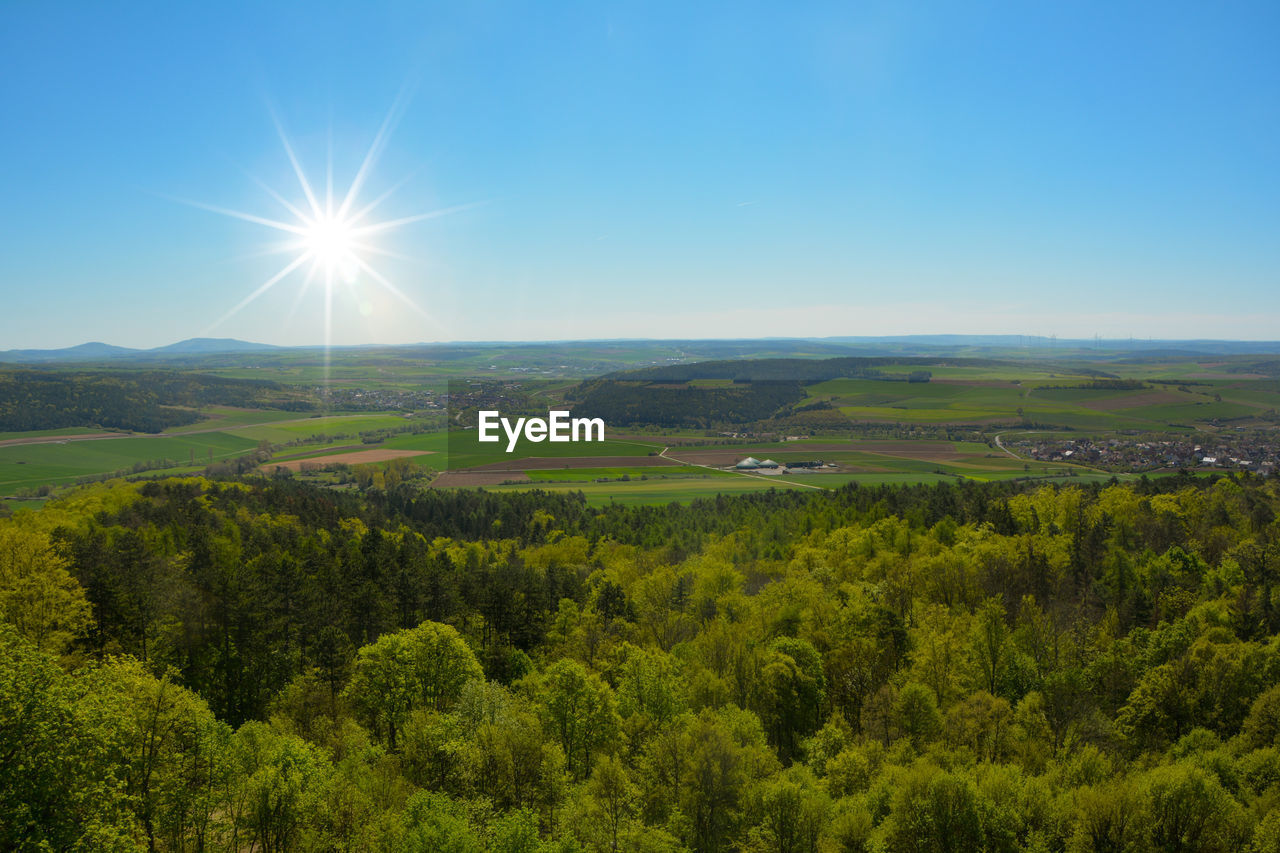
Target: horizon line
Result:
[1052, 340]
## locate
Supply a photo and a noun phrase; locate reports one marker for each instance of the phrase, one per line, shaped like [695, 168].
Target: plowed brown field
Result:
[360, 457]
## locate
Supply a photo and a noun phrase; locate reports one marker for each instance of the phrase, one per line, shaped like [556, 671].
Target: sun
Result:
[331, 241]
[332, 238]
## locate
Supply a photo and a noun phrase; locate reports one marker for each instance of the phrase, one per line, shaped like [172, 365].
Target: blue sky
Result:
[648, 169]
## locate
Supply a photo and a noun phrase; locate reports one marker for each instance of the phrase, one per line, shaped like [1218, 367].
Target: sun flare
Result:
[332, 238]
[331, 242]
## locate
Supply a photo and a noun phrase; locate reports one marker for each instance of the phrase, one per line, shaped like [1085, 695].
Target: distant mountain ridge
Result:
[96, 351]
[1000, 346]
[210, 345]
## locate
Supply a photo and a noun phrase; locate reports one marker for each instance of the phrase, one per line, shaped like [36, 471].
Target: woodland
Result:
[248, 664]
[144, 401]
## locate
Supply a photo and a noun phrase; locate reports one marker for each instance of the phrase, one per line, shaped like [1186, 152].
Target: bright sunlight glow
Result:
[330, 236]
[331, 241]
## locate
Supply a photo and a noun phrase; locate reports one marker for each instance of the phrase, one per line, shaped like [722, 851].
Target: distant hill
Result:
[96, 351]
[201, 346]
[84, 352]
[1147, 347]
[604, 354]
[808, 370]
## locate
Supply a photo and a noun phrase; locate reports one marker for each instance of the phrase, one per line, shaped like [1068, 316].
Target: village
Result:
[1257, 451]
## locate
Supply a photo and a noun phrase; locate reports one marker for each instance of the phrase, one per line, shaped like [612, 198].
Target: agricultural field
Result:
[294, 427]
[226, 417]
[28, 435]
[1050, 401]
[684, 469]
[652, 491]
[592, 475]
[27, 466]
[1064, 398]
[61, 457]
[466, 451]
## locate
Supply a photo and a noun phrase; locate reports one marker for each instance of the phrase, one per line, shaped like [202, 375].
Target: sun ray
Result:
[376, 227]
[395, 291]
[375, 151]
[247, 217]
[266, 252]
[302, 292]
[328, 327]
[263, 288]
[328, 178]
[297, 169]
[331, 238]
[288, 205]
[386, 253]
[368, 208]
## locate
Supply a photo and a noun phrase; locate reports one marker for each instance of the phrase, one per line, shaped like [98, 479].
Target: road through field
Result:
[179, 432]
[63, 439]
[1005, 449]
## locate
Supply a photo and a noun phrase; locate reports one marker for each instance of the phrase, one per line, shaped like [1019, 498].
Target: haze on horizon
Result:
[648, 170]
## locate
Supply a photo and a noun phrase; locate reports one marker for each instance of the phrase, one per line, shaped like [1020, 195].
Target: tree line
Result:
[142, 401]
[681, 406]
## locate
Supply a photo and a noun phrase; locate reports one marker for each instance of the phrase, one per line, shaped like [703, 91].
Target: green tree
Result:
[613, 795]
[433, 823]
[934, 811]
[916, 714]
[938, 654]
[796, 688]
[1190, 811]
[726, 752]
[981, 722]
[38, 595]
[1262, 726]
[990, 645]
[793, 811]
[423, 667]
[578, 710]
[278, 791]
[61, 787]
[1109, 818]
[649, 690]
[175, 757]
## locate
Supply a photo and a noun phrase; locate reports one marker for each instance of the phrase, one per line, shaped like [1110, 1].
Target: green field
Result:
[588, 475]
[222, 418]
[56, 463]
[39, 433]
[466, 450]
[1046, 400]
[1048, 393]
[292, 427]
[652, 491]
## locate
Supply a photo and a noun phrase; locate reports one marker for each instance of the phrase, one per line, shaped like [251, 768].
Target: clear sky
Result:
[646, 169]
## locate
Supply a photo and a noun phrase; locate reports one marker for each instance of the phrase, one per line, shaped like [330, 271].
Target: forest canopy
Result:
[189, 664]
